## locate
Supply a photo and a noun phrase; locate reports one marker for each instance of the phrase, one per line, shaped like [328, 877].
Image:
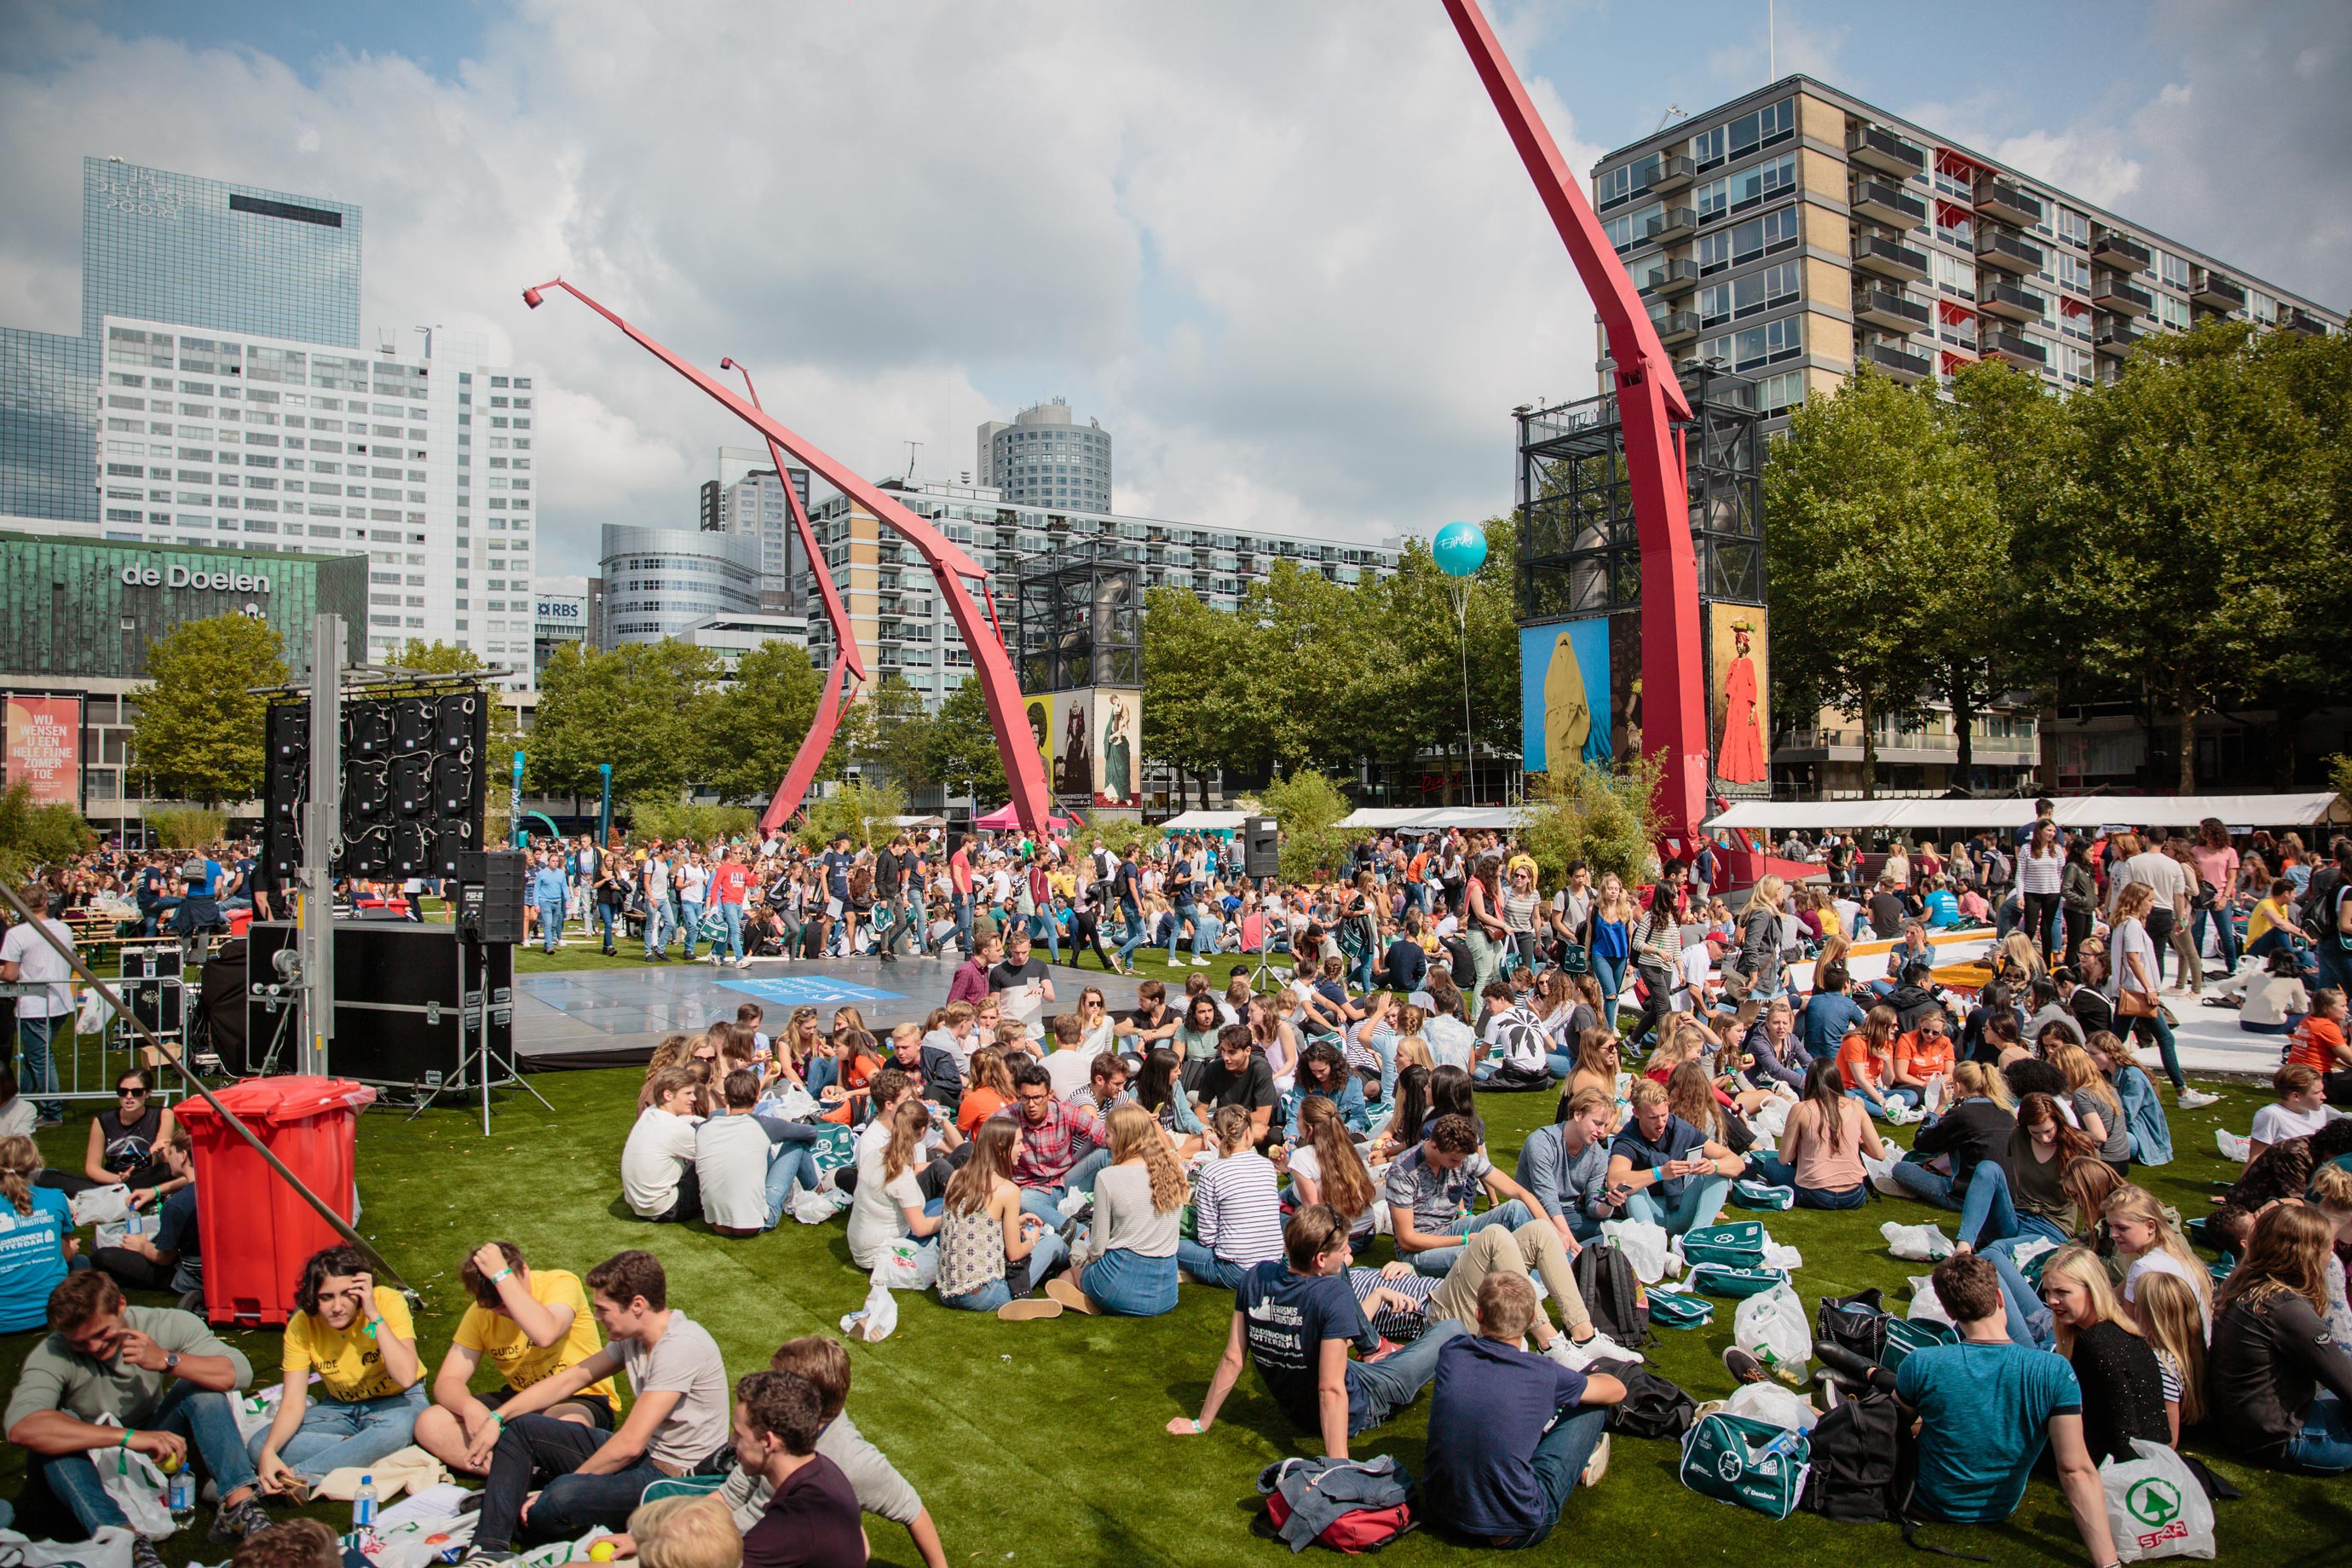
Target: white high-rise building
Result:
[1044, 458]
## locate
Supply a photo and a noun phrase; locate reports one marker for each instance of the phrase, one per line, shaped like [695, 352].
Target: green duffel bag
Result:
[1761, 1196]
[1721, 1280]
[1740, 1245]
[1905, 1335]
[1752, 1464]
[1680, 1309]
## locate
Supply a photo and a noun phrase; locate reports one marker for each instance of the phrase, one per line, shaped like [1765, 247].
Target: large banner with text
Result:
[44, 748]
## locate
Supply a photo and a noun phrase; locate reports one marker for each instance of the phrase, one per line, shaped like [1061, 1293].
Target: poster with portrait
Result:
[1040, 711]
[1565, 705]
[1738, 687]
[1118, 746]
[1073, 769]
[44, 748]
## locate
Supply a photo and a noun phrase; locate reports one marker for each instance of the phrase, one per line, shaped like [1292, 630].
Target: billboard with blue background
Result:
[1564, 704]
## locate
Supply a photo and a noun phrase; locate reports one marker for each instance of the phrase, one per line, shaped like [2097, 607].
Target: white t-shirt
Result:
[2162, 873]
[2158, 1261]
[1070, 1070]
[877, 1209]
[1449, 1040]
[2274, 1124]
[691, 882]
[2131, 937]
[730, 1161]
[659, 1152]
[42, 964]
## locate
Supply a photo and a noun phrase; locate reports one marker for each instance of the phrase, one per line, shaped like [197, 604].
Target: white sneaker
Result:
[1203, 962]
[1600, 1347]
[1572, 1356]
[2196, 1099]
[1596, 1467]
[1887, 1186]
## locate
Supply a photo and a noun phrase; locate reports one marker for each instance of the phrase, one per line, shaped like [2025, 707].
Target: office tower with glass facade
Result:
[1043, 457]
[660, 581]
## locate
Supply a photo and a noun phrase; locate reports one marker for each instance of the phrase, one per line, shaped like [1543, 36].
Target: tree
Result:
[645, 708]
[199, 735]
[1194, 682]
[439, 658]
[1309, 807]
[961, 748]
[1406, 691]
[867, 813]
[1605, 818]
[1872, 497]
[757, 720]
[33, 835]
[898, 738]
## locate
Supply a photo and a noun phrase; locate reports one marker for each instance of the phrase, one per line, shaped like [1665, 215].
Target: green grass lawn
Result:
[1041, 1443]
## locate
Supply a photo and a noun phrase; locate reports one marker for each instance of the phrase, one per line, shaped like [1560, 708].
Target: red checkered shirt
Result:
[1048, 1148]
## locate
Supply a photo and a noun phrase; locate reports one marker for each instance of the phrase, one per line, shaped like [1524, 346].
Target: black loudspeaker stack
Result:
[153, 990]
[414, 780]
[490, 895]
[1261, 846]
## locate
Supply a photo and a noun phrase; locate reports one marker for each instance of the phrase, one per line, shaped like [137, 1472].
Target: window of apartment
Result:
[1775, 393]
[1956, 226]
[1772, 342]
[1762, 290]
[1713, 199]
[2074, 272]
[1613, 186]
[2173, 269]
[1753, 187]
[2261, 307]
[2172, 312]
[1767, 127]
[1952, 275]
[1707, 147]
[2073, 227]
[1631, 228]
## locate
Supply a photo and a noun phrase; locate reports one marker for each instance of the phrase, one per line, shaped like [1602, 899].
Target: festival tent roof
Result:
[1433, 819]
[2073, 811]
[1204, 821]
[1004, 819]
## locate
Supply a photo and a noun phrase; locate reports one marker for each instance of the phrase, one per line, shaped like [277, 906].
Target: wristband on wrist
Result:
[502, 1276]
[128, 1433]
[1197, 1428]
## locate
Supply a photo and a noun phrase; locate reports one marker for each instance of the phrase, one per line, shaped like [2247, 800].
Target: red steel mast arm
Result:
[845, 640]
[1025, 770]
[1649, 400]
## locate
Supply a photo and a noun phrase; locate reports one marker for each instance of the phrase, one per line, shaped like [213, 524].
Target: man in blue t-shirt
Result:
[1510, 1434]
[1295, 1317]
[1986, 1406]
[1674, 1176]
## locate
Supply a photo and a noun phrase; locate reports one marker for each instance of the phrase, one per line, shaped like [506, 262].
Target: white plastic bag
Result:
[100, 1205]
[108, 1547]
[876, 1318]
[95, 1014]
[791, 1103]
[811, 1208]
[1917, 1243]
[2236, 1150]
[1926, 1307]
[134, 1483]
[907, 1265]
[1771, 1326]
[1788, 1259]
[2155, 1506]
[1773, 1405]
[1644, 1243]
[2025, 1252]
[1771, 1118]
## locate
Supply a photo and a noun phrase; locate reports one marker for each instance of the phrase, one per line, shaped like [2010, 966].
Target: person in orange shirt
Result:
[1923, 1058]
[1866, 1063]
[988, 1089]
[2318, 1043]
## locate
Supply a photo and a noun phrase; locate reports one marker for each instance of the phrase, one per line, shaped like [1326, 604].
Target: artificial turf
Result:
[1043, 1442]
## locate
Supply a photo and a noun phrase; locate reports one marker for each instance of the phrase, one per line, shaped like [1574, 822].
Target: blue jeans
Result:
[1206, 1266]
[963, 922]
[2155, 1031]
[1048, 1251]
[1611, 974]
[550, 925]
[791, 1163]
[657, 927]
[1929, 1186]
[1989, 1215]
[2030, 1324]
[1560, 1462]
[1561, 1062]
[199, 1415]
[2335, 963]
[822, 1073]
[334, 1432]
[605, 914]
[1887, 1098]
[32, 1037]
[2325, 1443]
[1133, 935]
[1045, 1202]
[1042, 929]
[1438, 1261]
[732, 914]
[2225, 935]
[1127, 1284]
[689, 925]
[1378, 1390]
[1699, 1206]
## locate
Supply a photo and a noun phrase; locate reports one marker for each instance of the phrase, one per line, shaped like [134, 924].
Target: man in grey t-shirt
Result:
[677, 1424]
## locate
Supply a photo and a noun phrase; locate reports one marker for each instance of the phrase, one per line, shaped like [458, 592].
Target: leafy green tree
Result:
[866, 812]
[199, 735]
[898, 737]
[1406, 693]
[1195, 686]
[645, 708]
[757, 720]
[961, 750]
[1862, 493]
[1605, 818]
[1308, 806]
[674, 820]
[33, 835]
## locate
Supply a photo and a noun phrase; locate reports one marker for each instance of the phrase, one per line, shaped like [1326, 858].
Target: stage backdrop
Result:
[44, 748]
[1739, 690]
[1564, 694]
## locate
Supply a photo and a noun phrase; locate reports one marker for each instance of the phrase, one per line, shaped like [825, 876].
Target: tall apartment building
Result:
[902, 625]
[1797, 232]
[1044, 458]
[220, 395]
[750, 502]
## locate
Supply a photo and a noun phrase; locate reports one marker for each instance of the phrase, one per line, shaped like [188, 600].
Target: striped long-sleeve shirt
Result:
[1237, 1211]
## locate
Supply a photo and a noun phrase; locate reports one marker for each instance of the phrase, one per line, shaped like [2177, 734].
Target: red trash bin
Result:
[257, 1231]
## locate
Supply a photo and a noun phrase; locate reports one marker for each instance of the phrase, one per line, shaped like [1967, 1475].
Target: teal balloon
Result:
[1460, 549]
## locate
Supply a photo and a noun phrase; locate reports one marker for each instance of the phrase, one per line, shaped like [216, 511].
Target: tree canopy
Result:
[199, 735]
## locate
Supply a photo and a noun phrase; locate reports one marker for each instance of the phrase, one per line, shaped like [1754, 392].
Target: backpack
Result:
[1612, 1295]
[1856, 1461]
[1357, 1531]
[2318, 913]
[1653, 1406]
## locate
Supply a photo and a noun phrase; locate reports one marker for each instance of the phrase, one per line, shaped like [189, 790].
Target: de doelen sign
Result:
[180, 577]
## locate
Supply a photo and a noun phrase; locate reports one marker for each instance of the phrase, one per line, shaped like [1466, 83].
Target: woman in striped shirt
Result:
[1236, 1206]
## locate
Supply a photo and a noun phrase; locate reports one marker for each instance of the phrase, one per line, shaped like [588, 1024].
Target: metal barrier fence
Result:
[83, 1065]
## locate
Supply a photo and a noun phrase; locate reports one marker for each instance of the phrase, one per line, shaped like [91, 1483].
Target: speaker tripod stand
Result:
[481, 1066]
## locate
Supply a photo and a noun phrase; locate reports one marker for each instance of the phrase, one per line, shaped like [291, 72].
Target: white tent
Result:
[2245, 811]
[1204, 821]
[1432, 819]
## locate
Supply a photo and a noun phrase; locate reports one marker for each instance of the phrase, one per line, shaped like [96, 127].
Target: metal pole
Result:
[1469, 743]
[604, 811]
[314, 910]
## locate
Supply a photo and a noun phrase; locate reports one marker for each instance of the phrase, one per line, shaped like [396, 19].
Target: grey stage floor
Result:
[613, 1017]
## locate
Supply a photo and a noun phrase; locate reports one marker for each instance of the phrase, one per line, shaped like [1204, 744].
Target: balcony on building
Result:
[1885, 151]
[1998, 247]
[1668, 277]
[2116, 339]
[1882, 202]
[2022, 352]
[1674, 172]
[2216, 293]
[2113, 249]
[1889, 258]
[1676, 327]
[2294, 320]
[2115, 294]
[1996, 198]
[1673, 225]
[2001, 298]
[1904, 367]
[1895, 313]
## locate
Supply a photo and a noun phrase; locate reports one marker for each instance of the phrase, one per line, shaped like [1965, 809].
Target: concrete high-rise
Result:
[750, 502]
[1046, 459]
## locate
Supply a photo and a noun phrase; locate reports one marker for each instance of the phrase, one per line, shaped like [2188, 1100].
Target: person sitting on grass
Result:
[888, 1203]
[673, 1531]
[812, 1519]
[167, 1255]
[1672, 1174]
[1237, 1078]
[935, 1061]
[746, 1165]
[1049, 1165]
[993, 1257]
[1823, 1145]
[356, 1334]
[1327, 1168]
[1986, 1409]
[677, 1424]
[1129, 1266]
[529, 1323]
[2282, 1388]
[1238, 1210]
[1323, 1069]
[42, 1246]
[881, 1491]
[1510, 1434]
[2318, 1043]
[166, 1380]
[2122, 1382]
[1294, 1319]
[658, 1163]
[1564, 1168]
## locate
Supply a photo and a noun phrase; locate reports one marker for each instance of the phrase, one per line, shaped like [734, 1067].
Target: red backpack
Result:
[1361, 1529]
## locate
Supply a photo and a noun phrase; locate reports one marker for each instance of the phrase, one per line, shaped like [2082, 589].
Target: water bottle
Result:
[180, 1495]
[363, 1504]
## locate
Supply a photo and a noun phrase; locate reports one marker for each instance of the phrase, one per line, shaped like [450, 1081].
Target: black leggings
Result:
[1085, 931]
[2041, 920]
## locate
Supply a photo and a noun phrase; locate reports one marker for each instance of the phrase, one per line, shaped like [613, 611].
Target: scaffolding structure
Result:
[1077, 618]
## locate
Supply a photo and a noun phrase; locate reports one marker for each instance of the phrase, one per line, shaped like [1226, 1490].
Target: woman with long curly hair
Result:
[1130, 1267]
[1326, 1169]
[2283, 1387]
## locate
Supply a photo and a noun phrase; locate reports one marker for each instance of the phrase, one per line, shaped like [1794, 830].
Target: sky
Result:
[1284, 254]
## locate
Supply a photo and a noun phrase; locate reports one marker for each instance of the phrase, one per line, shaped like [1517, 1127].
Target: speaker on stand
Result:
[1261, 846]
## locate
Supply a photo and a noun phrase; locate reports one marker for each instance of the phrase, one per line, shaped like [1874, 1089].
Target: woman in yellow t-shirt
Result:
[356, 1335]
[528, 1324]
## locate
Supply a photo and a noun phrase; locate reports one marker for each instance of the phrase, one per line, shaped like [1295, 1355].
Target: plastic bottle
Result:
[363, 1504]
[180, 1495]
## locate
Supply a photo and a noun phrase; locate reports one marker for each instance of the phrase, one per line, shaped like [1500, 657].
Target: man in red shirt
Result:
[730, 882]
[970, 982]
